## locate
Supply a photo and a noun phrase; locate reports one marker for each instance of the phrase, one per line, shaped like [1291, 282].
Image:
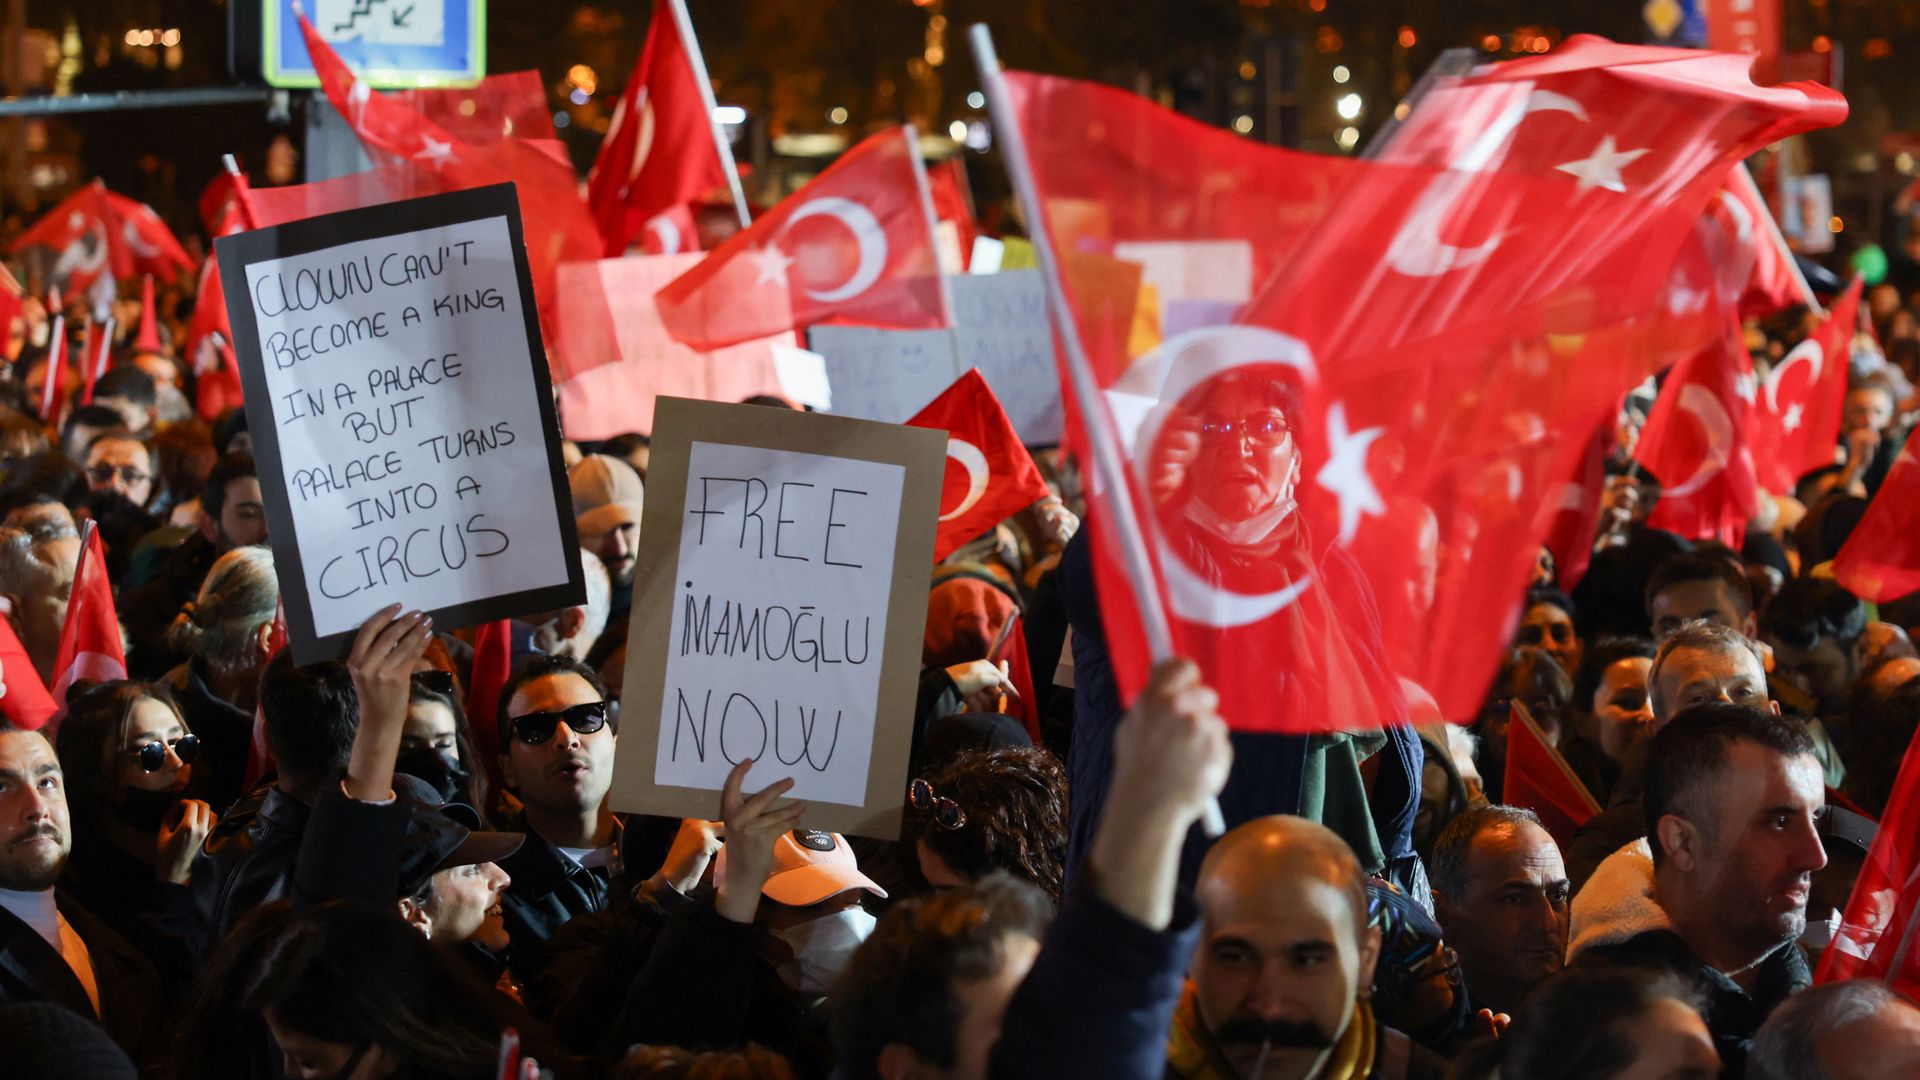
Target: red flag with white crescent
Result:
[1799, 404]
[856, 244]
[659, 152]
[1880, 561]
[990, 476]
[90, 643]
[1695, 443]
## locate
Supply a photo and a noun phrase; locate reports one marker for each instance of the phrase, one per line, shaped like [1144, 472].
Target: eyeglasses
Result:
[536, 728]
[128, 474]
[435, 681]
[946, 813]
[153, 755]
[1267, 430]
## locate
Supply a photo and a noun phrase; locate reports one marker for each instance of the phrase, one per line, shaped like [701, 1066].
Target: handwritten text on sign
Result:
[780, 618]
[408, 449]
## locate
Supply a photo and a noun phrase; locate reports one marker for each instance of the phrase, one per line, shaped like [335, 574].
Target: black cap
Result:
[441, 836]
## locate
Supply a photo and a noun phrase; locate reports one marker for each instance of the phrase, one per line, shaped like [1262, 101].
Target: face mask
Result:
[440, 772]
[143, 810]
[821, 949]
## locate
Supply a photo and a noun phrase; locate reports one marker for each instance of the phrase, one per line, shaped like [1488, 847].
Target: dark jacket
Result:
[247, 861]
[548, 890]
[225, 732]
[132, 1007]
[150, 608]
[1100, 997]
[1603, 834]
[1732, 1014]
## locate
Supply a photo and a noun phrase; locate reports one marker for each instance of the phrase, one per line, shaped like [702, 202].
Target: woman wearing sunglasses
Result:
[128, 755]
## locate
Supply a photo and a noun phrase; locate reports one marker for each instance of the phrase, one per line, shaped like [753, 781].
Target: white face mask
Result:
[821, 948]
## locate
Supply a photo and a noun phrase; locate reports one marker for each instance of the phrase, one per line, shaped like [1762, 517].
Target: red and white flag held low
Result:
[990, 476]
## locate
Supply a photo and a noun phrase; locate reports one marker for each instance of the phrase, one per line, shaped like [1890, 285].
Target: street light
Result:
[1348, 106]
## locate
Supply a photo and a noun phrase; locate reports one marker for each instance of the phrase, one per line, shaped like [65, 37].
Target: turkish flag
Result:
[26, 703]
[492, 664]
[1881, 915]
[90, 647]
[141, 242]
[1428, 358]
[1797, 424]
[1695, 443]
[1733, 261]
[79, 230]
[659, 152]
[856, 244]
[670, 232]
[53, 388]
[96, 355]
[1880, 561]
[1538, 778]
[555, 223]
[990, 476]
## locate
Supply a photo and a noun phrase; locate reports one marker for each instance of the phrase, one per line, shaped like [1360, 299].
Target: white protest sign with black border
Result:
[779, 606]
[402, 416]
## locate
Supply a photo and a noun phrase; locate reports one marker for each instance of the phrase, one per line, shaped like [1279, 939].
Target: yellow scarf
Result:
[1193, 1055]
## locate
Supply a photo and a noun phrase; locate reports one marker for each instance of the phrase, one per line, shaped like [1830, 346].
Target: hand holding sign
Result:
[754, 823]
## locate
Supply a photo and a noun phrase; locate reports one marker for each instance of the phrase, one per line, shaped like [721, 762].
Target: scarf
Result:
[1193, 1055]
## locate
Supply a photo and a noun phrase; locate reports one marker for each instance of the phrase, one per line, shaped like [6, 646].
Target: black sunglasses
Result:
[435, 680]
[154, 754]
[946, 813]
[536, 728]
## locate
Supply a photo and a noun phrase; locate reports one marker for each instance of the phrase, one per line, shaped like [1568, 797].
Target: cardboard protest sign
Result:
[1000, 326]
[402, 416]
[780, 600]
[616, 397]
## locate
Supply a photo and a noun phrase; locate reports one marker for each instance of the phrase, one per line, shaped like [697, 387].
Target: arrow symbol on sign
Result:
[400, 17]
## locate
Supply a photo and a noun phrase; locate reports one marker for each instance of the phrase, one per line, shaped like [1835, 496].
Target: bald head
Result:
[1286, 948]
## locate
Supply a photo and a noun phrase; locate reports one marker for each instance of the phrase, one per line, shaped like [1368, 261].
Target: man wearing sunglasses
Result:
[119, 462]
[557, 737]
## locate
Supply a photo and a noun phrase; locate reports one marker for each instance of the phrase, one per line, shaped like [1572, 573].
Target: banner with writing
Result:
[1000, 327]
[779, 606]
[402, 416]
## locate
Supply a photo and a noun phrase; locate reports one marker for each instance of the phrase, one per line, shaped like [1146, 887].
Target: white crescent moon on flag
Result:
[975, 462]
[70, 263]
[1706, 407]
[666, 235]
[1808, 351]
[131, 234]
[1166, 374]
[643, 139]
[91, 666]
[867, 233]
[1417, 250]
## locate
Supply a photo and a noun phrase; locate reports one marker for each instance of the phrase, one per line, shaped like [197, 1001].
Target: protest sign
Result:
[1000, 327]
[402, 416]
[779, 605]
[617, 397]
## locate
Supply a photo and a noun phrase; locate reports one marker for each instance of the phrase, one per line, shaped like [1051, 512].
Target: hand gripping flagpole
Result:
[1096, 421]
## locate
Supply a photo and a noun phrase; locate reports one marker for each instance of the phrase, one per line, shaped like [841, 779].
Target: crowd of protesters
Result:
[411, 880]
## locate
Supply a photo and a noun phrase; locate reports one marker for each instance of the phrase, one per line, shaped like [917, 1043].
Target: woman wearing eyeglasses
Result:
[127, 756]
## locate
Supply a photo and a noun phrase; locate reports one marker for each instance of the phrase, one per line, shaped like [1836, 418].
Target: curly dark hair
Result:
[1015, 799]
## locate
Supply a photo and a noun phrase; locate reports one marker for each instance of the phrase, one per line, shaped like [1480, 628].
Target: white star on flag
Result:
[1603, 168]
[433, 151]
[1345, 473]
[772, 264]
[1791, 420]
[1746, 387]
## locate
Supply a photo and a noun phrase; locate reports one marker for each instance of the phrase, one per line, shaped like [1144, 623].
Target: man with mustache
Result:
[557, 736]
[1500, 892]
[51, 949]
[1286, 956]
[1733, 797]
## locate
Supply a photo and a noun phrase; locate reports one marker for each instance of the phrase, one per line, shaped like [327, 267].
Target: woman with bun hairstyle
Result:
[127, 758]
[224, 631]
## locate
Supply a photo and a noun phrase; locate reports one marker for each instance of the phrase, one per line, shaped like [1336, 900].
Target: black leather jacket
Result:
[247, 861]
[548, 890]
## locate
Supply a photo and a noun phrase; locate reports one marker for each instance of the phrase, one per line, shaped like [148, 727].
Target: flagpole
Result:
[926, 207]
[684, 24]
[240, 191]
[1744, 178]
[1109, 466]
